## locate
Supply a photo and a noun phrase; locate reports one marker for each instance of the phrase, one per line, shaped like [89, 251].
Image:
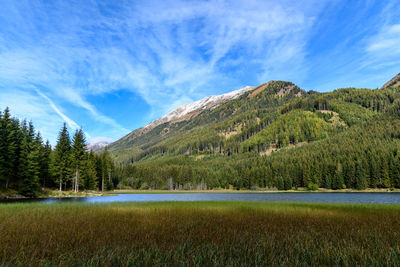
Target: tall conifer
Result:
[78, 150]
[62, 166]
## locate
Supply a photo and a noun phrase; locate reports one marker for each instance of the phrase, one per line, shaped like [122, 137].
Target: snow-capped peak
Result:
[209, 102]
[191, 110]
[97, 145]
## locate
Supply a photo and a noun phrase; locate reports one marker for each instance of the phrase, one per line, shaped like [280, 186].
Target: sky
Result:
[113, 66]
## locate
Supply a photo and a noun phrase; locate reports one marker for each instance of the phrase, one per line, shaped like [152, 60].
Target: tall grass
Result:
[199, 233]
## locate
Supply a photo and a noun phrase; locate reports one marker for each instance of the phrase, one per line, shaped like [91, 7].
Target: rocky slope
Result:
[189, 111]
[395, 81]
[97, 146]
[207, 119]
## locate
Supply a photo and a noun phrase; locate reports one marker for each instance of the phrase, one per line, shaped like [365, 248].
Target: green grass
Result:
[199, 233]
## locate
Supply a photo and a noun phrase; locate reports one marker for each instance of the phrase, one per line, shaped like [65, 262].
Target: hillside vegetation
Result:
[275, 136]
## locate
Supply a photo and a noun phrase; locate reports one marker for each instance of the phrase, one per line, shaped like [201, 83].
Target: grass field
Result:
[199, 233]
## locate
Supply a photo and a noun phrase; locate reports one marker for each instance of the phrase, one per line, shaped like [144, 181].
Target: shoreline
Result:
[300, 190]
[69, 194]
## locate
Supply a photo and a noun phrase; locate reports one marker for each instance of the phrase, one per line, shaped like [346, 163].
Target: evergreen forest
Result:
[276, 136]
[28, 165]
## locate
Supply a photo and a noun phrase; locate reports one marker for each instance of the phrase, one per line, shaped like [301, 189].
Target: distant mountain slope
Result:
[189, 111]
[395, 81]
[274, 136]
[97, 145]
[261, 119]
[207, 120]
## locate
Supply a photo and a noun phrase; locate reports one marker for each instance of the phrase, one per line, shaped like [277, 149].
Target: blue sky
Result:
[113, 66]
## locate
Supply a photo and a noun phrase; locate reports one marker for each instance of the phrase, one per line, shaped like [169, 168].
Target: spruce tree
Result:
[62, 159]
[78, 151]
[91, 179]
[8, 148]
[104, 166]
[44, 161]
[3, 151]
[23, 168]
[361, 181]
[14, 144]
[29, 166]
[31, 183]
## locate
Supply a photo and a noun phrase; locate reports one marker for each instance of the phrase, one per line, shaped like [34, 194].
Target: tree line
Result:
[365, 156]
[27, 164]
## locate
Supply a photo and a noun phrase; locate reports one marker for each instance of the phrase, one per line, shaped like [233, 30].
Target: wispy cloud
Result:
[70, 122]
[27, 104]
[385, 44]
[168, 52]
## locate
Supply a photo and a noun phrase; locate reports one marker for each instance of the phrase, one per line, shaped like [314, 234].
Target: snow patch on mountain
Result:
[98, 143]
[209, 102]
[191, 110]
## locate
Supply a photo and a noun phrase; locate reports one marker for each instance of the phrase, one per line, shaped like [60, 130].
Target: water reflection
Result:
[378, 198]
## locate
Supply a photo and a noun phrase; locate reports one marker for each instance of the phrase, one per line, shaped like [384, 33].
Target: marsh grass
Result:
[199, 233]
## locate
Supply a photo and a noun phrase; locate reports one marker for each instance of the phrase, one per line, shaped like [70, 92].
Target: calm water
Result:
[378, 198]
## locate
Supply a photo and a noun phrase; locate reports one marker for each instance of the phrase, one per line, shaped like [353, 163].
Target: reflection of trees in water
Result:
[378, 198]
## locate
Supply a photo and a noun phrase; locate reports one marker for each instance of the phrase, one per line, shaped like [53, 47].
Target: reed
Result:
[199, 233]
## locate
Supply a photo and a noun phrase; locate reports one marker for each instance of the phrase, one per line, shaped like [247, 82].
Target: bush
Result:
[144, 186]
[312, 187]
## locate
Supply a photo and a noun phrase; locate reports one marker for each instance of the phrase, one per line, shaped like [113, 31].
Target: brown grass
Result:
[205, 233]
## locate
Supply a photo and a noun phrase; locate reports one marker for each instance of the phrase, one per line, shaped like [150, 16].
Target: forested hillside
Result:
[274, 136]
[27, 164]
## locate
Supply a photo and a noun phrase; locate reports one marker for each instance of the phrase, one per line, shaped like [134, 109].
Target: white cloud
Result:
[100, 139]
[169, 52]
[29, 105]
[386, 42]
[70, 122]
[77, 99]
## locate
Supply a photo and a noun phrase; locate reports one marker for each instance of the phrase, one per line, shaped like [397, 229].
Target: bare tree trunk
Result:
[77, 180]
[7, 182]
[102, 183]
[60, 184]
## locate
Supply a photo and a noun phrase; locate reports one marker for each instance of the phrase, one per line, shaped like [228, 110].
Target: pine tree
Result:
[91, 180]
[105, 165]
[3, 148]
[29, 164]
[3, 151]
[23, 168]
[31, 183]
[44, 161]
[62, 159]
[78, 157]
[361, 181]
[8, 148]
[15, 138]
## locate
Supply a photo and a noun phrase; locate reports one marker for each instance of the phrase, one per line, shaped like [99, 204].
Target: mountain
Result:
[95, 146]
[177, 129]
[275, 135]
[189, 111]
[393, 82]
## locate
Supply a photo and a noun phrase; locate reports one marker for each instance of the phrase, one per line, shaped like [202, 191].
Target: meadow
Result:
[199, 233]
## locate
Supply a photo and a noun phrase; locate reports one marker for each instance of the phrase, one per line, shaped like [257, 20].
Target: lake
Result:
[376, 198]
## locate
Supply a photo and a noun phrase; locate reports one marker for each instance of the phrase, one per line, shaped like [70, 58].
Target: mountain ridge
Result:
[190, 110]
[276, 136]
[393, 82]
[211, 110]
